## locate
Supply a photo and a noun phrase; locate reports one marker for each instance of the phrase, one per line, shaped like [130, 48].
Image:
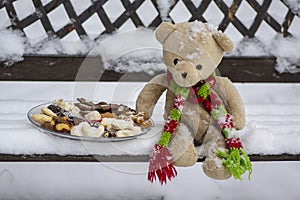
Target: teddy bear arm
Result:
[170, 96]
[232, 100]
[150, 94]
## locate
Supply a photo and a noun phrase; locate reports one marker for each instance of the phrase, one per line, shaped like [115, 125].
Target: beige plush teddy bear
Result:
[200, 108]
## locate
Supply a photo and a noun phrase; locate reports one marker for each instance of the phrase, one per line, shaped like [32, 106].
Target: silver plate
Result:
[37, 109]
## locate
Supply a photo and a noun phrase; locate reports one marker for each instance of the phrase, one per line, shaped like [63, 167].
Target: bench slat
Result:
[65, 68]
[121, 158]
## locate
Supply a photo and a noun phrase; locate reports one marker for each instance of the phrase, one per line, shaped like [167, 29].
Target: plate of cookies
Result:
[89, 121]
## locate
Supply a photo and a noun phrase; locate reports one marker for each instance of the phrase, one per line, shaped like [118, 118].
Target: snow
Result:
[147, 12]
[164, 7]
[58, 18]
[192, 56]
[139, 51]
[12, 45]
[270, 180]
[272, 120]
[114, 9]
[80, 7]
[287, 51]
[293, 5]
[24, 8]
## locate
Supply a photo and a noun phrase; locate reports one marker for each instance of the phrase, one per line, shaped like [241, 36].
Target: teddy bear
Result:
[200, 107]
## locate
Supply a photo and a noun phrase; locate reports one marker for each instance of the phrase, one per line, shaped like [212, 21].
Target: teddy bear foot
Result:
[214, 168]
[182, 147]
[188, 158]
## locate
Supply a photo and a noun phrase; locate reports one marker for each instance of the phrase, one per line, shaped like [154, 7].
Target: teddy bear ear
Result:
[223, 41]
[163, 31]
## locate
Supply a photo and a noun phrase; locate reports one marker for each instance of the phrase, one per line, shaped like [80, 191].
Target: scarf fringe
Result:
[160, 166]
[236, 161]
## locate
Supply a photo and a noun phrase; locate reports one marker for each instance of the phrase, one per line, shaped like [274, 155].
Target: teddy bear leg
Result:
[212, 166]
[182, 147]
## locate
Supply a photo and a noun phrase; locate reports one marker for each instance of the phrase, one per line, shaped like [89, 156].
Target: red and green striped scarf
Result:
[235, 159]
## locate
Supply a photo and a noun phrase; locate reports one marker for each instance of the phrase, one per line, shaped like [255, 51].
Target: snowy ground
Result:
[109, 181]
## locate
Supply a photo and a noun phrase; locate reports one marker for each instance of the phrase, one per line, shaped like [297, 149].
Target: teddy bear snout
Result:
[185, 73]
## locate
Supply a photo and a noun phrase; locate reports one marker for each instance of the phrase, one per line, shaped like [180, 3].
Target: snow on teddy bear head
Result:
[192, 50]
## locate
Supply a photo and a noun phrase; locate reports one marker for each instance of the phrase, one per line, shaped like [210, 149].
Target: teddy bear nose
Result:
[184, 74]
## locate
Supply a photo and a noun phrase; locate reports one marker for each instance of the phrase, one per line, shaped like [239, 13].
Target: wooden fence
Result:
[130, 13]
[254, 69]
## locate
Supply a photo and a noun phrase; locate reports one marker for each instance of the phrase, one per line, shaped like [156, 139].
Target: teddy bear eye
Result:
[175, 61]
[199, 67]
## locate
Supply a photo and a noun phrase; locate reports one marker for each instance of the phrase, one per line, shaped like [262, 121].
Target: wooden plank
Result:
[121, 158]
[254, 69]
[66, 68]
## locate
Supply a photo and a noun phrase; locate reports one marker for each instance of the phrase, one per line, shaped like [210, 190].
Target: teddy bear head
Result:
[192, 50]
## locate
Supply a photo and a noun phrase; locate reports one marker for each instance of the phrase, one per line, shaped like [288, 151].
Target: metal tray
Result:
[37, 109]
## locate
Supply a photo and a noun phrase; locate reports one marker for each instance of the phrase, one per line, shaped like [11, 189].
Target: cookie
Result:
[120, 124]
[54, 108]
[85, 129]
[129, 132]
[41, 118]
[85, 102]
[65, 128]
[84, 107]
[93, 116]
[48, 125]
[108, 115]
[103, 108]
[146, 124]
[48, 112]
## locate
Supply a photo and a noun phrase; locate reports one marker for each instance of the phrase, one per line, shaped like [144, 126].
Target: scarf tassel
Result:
[235, 159]
[161, 166]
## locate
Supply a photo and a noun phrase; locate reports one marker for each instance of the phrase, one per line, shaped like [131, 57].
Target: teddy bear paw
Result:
[214, 168]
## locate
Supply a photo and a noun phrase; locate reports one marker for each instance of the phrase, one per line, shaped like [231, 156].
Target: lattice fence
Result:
[148, 13]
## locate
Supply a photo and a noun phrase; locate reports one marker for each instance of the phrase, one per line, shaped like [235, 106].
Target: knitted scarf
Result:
[234, 158]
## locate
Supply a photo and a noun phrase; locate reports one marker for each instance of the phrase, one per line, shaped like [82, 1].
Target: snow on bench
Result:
[271, 132]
